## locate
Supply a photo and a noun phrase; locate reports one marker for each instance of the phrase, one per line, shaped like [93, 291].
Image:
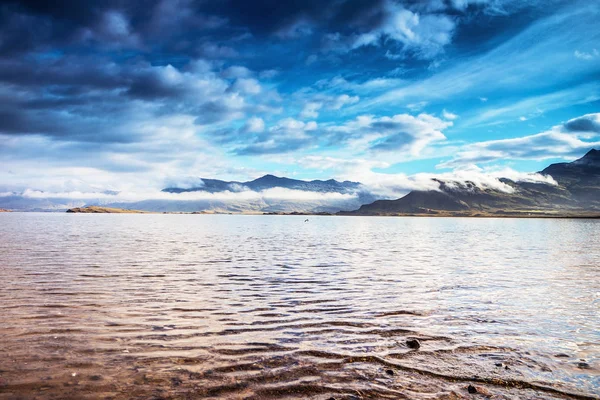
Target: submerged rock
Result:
[583, 365]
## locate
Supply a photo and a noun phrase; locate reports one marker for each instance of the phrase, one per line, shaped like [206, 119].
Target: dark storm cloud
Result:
[585, 123]
[83, 72]
[33, 25]
[291, 19]
[103, 71]
[207, 28]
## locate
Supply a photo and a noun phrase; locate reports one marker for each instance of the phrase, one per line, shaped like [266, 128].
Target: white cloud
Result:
[247, 86]
[311, 110]
[272, 194]
[448, 115]
[254, 125]
[402, 133]
[368, 87]
[342, 100]
[536, 105]
[582, 55]
[326, 163]
[417, 106]
[311, 59]
[524, 61]
[564, 141]
[236, 71]
[423, 34]
[268, 74]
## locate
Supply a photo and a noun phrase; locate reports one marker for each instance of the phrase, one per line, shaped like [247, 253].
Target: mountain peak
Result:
[593, 153]
[592, 157]
[268, 178]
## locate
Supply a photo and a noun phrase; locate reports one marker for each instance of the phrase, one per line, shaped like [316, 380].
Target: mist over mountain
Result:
[269, 182]
[577, 190]
[268, 193]
[572, 187]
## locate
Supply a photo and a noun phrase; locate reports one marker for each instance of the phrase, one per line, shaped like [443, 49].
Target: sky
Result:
[140, 95]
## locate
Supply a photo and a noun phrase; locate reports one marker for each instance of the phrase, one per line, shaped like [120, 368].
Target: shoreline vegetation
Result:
[425, 213]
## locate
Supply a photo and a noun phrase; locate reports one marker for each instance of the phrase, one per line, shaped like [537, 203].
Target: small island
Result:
[104, 210]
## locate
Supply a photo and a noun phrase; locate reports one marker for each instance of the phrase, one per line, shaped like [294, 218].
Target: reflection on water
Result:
[259, 307]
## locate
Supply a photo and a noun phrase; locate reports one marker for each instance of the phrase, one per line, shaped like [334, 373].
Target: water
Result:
[264, 307]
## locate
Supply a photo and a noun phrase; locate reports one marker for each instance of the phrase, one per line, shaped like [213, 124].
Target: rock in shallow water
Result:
[583, 365]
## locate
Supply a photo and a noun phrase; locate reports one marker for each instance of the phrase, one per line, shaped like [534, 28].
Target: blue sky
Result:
[133, 94]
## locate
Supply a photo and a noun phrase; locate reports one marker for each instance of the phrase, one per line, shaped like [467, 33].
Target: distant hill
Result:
[270, 182]
[266, 204]
[103, 210]
[577, 191]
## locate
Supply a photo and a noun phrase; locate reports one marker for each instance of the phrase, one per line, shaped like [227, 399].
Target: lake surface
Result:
[267, 307]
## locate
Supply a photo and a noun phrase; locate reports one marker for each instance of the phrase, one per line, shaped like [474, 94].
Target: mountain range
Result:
[577, 191]
[573, 189]
[269, 182]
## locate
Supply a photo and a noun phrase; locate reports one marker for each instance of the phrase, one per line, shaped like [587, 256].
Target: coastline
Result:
[431, 213]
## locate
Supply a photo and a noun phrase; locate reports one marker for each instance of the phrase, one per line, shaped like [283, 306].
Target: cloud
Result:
[236, 71]
[448, 115]
[104, 197]
[88, 99]
[398, 133]
[518, 66]
[254, 125]
[311, 110]
[585, 123]
[401, 134]
[326, 163]
[127, 93]
[369, 86]
[582, 55]
[536, 105]
[342, 100]
[269, 74]
[395, 185]
[246, 86]
[569, 140]
[287, 135]
[424, 35]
